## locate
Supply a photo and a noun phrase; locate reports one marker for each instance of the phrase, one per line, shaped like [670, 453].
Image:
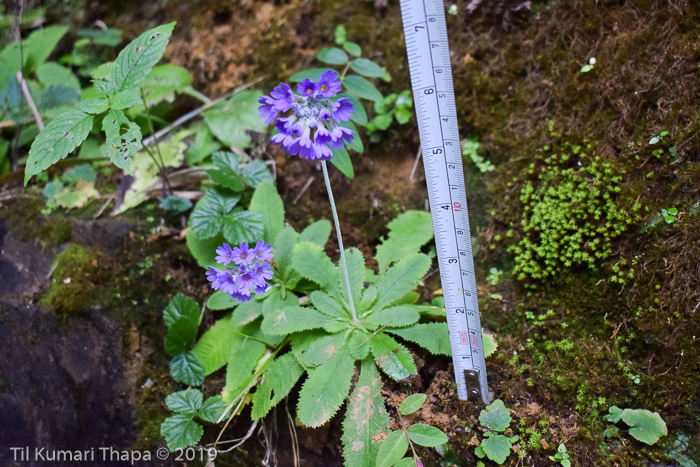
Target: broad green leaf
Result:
[135, 61]
[367, 68]
[212, 409]
[231, 119]
[175, 203]
[185, 402]
[426, 435]
[313, 74]
[406, 462]
[328, 305]
[645, 426]
[395, 317]
[58, 139]
[210, 212]
[204, 250]
[280, 378]
[226, 171]
[614, 414]
[180, 431]
[341, 160]
[274, 302]
[496, 447]
[256, 172]
[295, 318]
[495, 416]
[317, 232]
[181, 306]
[34, 51]
[356, 273]
[301, 341]
[332, 56]
[392, 449]
[220, 300]
[52, 74]
[123, 139]
[214, 347]
[369, 296]
[393, 358]
[434, 337]
[284, 246]
[359, 344]
[163, 82]
[124, 99]
[180, 337]
[353, 49]
[243, 226]
[244, 357]
[400, 279]
[268, 203]
[185, 368]
[312, 263]
[321, 350]
[246, 312]
[365, 418]
[325, 390]
[95, 106]
[411, 404]
[360, 87]
[408, 232]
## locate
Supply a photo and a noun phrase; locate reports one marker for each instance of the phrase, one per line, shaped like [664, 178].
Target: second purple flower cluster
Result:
[312, 130]
[250, 270]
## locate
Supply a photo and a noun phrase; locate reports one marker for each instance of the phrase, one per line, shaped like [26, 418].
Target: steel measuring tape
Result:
[425, 31]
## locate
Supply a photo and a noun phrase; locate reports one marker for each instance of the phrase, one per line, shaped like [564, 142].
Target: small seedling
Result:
[562, 456]
[588, 66]
[658, 138]
[496, 446]
[670, 215]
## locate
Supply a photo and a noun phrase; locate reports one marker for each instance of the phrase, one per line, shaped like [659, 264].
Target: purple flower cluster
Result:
[250, 270]
[312, 129]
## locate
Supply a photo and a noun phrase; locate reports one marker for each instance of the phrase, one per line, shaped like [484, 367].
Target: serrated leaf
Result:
[369, 296]
[221, 300]
[396, 317]
[426, 435]
[312, 263]
[332, 56]
[246, 312]
[181, 306]
[268, 203]
[180, 337]
[123, 139]
[325, 390]
[393, 358]
[124, 99]
[212, 409]
[489, 342]
[226, 171]
[323, 349]
[365, 418]
[58, 139]
[496, 447]
[284, 247]
[355, 262]
[645, 426]
[495, 416]
[243, 226]
[135, 61]
[185, 368]
[392, 449]
[280, 378]
[353, 49]
[313, 74]
[163, 82]
[360, 87]
[434, 337]
[186, 402]
[317, 232]
[231, 119]
[411, 404]
[295, 318]
[256, 172]
[244, 357]
[358, 342]
[274, 302]
[301, 341]
[341, 160]
[400, 279]
[408, 232]
[214, 348]
[210, 212]
[367, 68]
[328, 305]
[180, 432]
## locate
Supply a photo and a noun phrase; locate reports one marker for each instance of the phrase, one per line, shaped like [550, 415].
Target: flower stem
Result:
[340, 240]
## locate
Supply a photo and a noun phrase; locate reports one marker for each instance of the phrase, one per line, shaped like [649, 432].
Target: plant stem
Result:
[160, 156]
[340, 240]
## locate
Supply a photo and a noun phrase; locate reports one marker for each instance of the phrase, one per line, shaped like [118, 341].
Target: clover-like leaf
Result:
[614, 414]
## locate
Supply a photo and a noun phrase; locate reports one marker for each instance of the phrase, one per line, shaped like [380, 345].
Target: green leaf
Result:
[135, 61]
[406, 462]
[393, 358]
[180, 337]
[365, 418]
[317, 232]
[312, 263]
[256, 172]
[369, 296]
[181, 306]
[295, 318]
[355, 262]
[359, 344]
[245, 355]
[408, 232]
[411, 404]
[123, 139]
[247, 312]
[212, 409]
[400, 279]
[58, 139]
[52, 74]
[403, 115]
[341, 160]
[221, 300]
[614, 414]
[185, 402]
[243, 226]
[353, 49]
[313, 74]
[496, 447]
[325, 390]
[360, 87]
[332, 56]
[226, 173]
[280, 378]
[340, 34]
[175, 203]
[426, 435]
[328, 305]
[204, 145]
[490, 344]
[204, 250]
[495, 416]
[321, 350]
[185, 368]
[645, 426]
[214, 348]
[210, 212]
[124, 99]
[180, 431]
[34, 51]
[267, 201]
[434, 337]
[392, 449]
[231, 119]
[367, 68]
[396, 317]
[163, 82]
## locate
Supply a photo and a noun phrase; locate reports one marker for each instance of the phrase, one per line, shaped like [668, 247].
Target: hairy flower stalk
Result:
[250, 270]
[312, 130]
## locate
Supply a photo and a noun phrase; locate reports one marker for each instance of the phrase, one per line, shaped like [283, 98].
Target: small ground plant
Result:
[495, 418]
